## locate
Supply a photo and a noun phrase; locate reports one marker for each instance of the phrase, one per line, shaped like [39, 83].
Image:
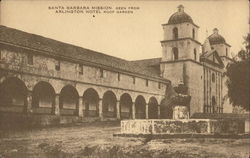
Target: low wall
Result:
[183, 126]
[167, 126]
[19, 120]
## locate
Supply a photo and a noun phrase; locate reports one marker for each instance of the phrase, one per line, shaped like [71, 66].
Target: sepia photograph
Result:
[124, 79]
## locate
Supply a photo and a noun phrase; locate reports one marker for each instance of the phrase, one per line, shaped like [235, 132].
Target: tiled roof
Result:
[59, 49]
[152, 64]
[148, 62]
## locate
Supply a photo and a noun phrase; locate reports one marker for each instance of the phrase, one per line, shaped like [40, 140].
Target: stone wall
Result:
[166, 126]
[15, 60]
[183, 126]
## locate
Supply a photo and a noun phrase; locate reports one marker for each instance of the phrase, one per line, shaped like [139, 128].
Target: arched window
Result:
[175, 33]
[213, 77]
[175, 53]
[193, 33]
[195, 54]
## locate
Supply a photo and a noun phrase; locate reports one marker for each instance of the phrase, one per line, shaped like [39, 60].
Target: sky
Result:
[128, 36]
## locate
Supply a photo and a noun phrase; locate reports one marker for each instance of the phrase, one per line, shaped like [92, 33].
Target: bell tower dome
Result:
[219, 44]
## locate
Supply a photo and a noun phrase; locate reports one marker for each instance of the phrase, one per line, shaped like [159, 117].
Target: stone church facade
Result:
[44, 77]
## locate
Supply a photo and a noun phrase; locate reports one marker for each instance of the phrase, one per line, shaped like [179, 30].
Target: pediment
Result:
[212, 57]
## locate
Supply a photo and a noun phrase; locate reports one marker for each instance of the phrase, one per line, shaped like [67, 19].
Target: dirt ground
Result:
[96, 141]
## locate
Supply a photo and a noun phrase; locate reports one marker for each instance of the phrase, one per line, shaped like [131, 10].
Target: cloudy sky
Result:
[129, 36]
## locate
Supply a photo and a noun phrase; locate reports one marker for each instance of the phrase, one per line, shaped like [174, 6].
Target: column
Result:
[146, 111]
[118, 116]
[159, 111]
[100, 109]
[80, 107]
[133, 110]
[56, 106]
[29, 102]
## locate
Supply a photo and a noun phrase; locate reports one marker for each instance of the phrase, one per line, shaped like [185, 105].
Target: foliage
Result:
[238, 78]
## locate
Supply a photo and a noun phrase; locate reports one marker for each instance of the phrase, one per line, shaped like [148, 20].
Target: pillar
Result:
[146, 111]
[80, 107]
[159, 111]
[56, 106]
[100, 108]
[133, 110]
[118, 116]
[29, 102]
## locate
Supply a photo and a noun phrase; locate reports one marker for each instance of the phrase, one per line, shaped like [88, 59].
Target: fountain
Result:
[180, 122]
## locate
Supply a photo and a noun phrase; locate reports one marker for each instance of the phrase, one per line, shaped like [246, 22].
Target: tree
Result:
[238, 83]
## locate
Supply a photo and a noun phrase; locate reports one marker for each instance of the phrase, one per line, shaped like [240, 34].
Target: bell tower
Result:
[180, 43]
[180, 40]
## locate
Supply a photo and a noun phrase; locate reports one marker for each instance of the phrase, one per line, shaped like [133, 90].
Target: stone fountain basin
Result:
[180, 126]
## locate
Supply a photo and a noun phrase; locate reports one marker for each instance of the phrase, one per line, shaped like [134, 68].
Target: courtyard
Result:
[95, 140]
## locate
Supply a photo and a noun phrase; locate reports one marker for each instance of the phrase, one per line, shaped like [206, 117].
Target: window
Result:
[30, 59]
[213, 77]
[80, 69]
[58, 65]
[159, 85]
[213, 104]
[119, 76]
[175, 33]
[101, 73]
[193, 33]
[175, 53]
[133, 80]
[147, 83]
[212, 47]
[195, 54]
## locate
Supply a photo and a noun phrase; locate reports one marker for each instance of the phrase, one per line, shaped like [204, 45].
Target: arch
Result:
[175, 53]
[193, 33]
[43, 97]
[152, 108]
[175, 33]
[90, 103]
[140, 107]
[195, 54]
[68, 100]
[109, 104]
[13, 92]
[166, 111]
[126, 106]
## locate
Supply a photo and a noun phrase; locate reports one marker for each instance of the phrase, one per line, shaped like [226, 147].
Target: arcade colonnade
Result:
[43, 99]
